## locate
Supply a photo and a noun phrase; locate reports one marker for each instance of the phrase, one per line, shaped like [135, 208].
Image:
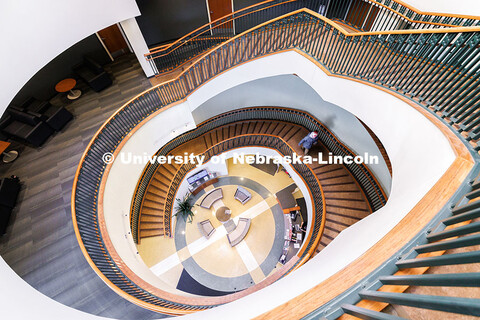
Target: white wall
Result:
[417, 166]
[138, 44]
[122, 180]
[292, 92]
[466, 7]
[34, 32]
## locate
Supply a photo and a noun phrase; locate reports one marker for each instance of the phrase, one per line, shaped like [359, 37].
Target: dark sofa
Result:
[93, 74]
[9, 189]
[55, 117]
[24, 127]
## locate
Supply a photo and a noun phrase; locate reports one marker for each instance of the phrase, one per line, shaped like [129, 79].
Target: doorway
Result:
[219, 8]
[113, 41]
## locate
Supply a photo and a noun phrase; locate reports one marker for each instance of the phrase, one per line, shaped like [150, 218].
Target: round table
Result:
[67, 85]
[223, 214]
[10, 156]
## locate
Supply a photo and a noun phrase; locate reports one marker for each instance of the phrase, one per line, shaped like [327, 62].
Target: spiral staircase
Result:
[430, 61]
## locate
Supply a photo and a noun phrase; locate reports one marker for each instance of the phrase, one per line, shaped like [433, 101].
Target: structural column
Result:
[137, 42]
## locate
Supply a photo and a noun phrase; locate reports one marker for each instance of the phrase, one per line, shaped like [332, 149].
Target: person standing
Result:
[307, 142]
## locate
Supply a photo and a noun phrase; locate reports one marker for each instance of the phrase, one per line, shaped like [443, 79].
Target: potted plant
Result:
[184, 209]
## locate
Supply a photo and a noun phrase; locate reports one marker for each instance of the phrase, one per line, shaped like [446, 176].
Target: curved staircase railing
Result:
[304, 171]
[168, 57]
[436, 68]
[362, 174]
[116, 274]
[362, 15]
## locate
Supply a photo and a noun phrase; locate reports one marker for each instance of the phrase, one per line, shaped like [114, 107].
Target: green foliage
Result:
[184, 209]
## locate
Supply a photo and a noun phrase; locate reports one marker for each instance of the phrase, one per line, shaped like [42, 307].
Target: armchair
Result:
[55, 117]
[9, 189]
[24, 127]
[93, 74]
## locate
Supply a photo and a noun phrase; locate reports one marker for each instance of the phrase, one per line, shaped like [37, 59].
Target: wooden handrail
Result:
[417, 11]
[300, 253]
[419, 216]
[407, 230]
[329, 134]
[424, 13]
[210, 26]
[453, 15]
[338, 27]
[167, 46]
[203, 301]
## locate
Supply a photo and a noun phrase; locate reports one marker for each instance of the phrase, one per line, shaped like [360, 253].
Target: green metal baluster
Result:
[340, 51]
[378, 59]
[372, 40]
[466, 306]
[404, 58]
[451, 49]
[420, 51]
[369, 64]
[350, 58]
[364, 47]
[388, 43]
[473, 43]
[343, 60]
[465, 93]
[464, 114]
[447, 72]
[400, 46]
[424, 72]
[320, 45]
[329, 48]
[313, 36]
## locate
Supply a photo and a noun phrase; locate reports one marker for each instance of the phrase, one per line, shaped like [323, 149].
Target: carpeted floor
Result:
[40, 243]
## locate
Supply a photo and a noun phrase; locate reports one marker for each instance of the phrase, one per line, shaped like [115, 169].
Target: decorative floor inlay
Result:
[214, 266]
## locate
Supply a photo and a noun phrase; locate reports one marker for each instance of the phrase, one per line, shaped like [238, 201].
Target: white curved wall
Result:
[55, 26]
[122, 181]
[466, 7]
[417, 166]
[292, 92]
[34, 32]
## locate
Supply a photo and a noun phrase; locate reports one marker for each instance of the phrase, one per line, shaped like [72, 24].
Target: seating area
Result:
[33, 121]
[93, 74]
[237, 235]
[24, 127]
[211, 198]
[9, 189]
[55, 117]
[206, 228]
[242, 195]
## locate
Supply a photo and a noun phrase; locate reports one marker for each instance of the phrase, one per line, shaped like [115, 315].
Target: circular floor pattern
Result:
[220, 267]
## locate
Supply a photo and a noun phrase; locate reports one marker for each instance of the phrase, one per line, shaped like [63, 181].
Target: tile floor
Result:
[213, 263]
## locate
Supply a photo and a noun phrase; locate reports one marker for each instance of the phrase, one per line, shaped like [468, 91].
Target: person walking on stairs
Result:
[307, 142]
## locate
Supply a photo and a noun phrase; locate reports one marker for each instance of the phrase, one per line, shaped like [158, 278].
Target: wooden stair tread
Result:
[149, 218]
[151, 233]
[151, 211]
[147, 225]
[345, 202]
[155, 197]
[152, 204]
